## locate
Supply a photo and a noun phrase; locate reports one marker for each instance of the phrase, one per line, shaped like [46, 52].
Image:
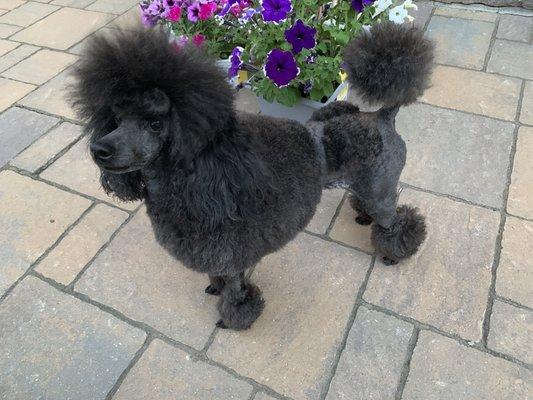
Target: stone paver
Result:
[147, 284]
[129, 19]
[112, 7]
[372, 360]
[73, 3]
[33, 215]
[310, 288]
[475, 148]
[177, 376]
[460, 42]
[27, 13]
[511, 58]
[465, 14]
[40, 67]
[347, 231]
[515, 27]
[6, 46]
[17, 120]
[442, 369]
[263, 396]
[446, 283]
[16, 55]
[422, 14]
[10, 4]
[79, 48]
[521, 190]
[63, 28]
[51, 97]
[511, 331]
[76, 170]
[475, 92]
[56, 347]
[8, 30]
[515, 271]
[47, 147]
[325, 210]
[12, 91]
[80, 245]
[526, 115]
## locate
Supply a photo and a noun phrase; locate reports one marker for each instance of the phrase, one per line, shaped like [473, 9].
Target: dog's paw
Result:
[239, 314]
[363, 219]
[389, 261]
[213, 290]
[221, 325]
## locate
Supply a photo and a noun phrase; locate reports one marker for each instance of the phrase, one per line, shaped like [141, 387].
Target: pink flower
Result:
[174, 14]
[207, 10]
[198, 39]
[236, 10]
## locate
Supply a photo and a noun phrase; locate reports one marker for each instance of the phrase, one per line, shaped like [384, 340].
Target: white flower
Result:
[381, 5]
[409, 4]
[398, 14]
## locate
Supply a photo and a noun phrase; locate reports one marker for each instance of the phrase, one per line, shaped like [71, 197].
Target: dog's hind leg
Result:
[216, 285]
[362, 217]
[240, 304]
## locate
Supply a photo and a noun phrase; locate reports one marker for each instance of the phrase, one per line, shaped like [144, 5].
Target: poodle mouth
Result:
[120, 170]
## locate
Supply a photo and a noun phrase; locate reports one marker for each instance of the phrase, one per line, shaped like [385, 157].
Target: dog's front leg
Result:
[241, 303]
[216, 286]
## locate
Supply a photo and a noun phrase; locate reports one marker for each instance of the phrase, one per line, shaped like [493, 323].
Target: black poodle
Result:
[223, 189]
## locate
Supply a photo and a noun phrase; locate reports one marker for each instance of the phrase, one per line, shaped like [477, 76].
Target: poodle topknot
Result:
[390, 65]
[223, 189]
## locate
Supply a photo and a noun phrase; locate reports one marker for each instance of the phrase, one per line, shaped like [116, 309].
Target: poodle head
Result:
[140, 96]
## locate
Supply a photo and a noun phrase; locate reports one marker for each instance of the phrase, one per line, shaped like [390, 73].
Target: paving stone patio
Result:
[92, 308]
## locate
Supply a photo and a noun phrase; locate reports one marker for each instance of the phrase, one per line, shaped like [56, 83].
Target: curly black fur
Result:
[239, 310]
[391, 65]
[403, 238]
[222, 189]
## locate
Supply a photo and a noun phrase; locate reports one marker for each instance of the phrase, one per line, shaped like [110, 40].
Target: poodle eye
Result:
[156, 125]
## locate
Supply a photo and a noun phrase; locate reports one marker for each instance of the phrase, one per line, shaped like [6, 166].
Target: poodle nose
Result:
[101, 151]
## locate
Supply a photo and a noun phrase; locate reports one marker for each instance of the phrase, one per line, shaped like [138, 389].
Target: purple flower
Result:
[300, 36]
[236, 62]
[226, 8]
[281, 67]
[358, 5]
[156, 9]
[276, 10]
[193, 12]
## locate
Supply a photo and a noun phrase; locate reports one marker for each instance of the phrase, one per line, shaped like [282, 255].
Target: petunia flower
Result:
[380, 6]
[398, 14]
[198, 39]
[301, 36]
[174, 14]
[281, 67]
[193, 12]
[207, 10]
[275, 10]
[407, 4]
[226, 7]
[236, 62]
[359, 5]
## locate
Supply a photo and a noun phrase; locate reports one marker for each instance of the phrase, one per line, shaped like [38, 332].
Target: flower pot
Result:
[303, 110]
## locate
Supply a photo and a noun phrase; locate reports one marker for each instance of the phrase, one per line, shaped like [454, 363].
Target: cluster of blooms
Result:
[199, 21]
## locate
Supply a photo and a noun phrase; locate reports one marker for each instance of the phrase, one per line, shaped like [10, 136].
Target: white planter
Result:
[303, 110]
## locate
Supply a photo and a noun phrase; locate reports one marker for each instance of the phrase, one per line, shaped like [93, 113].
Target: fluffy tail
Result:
[390, 65]
[403, 238]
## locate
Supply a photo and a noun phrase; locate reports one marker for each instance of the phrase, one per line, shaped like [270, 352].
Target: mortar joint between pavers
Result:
[406, 368]
[32, 266]
[70, 286]
[491, 44]
[467, 343]
[512, 302]
[336, 242]
[336, 214]
[132, 363]
[347, 329]
[149, 330]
